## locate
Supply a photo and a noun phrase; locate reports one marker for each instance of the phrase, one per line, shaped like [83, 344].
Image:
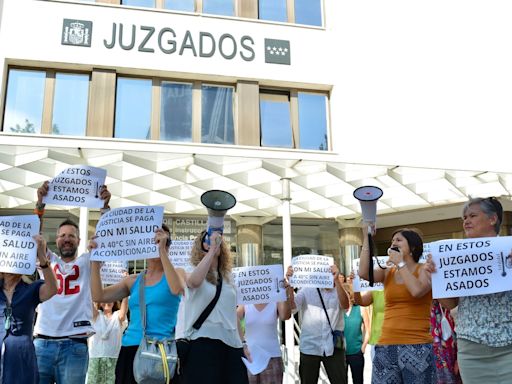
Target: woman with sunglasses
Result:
[215, 349]
[18, 302]
[484, 322]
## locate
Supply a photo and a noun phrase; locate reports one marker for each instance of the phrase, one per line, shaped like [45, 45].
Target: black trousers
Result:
[309, 367]
[210, 361]
[356, 364]
[124, 365]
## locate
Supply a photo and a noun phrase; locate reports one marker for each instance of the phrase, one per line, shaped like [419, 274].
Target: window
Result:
[273, 10]
[176, 112]
[70, 104]
[133, 109]
[219, 7]
[180, 5]
[139, 3]
[312, 121]
[308, 12]
[275, 120]
[24, 101]
[217, 115]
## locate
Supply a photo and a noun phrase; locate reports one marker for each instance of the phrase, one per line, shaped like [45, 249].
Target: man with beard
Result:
[64, 322]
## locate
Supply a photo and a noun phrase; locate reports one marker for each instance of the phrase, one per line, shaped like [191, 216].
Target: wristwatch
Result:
[400, 265]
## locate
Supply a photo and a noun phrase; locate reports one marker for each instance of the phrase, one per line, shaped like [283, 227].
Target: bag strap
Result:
[202, 317]
[142, 302]
[325, 310]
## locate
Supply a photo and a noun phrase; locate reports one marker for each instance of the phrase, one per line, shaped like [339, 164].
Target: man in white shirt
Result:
[64, 322]
[316, 338]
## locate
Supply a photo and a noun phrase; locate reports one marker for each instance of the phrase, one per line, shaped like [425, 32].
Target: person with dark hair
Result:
[484, 322]
[109, 322]
[162, 293]
[215, 349]
[404, 350]
[65, 322]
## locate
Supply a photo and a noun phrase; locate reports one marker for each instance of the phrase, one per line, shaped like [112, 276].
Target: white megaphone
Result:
[217, 203]
[368, 196]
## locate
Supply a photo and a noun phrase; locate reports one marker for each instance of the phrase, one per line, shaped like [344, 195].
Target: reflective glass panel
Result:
[70, 104]
[139, 3]
[313, 121]
[308, 12]
[219, 7]
[217, 115]
[276, 127]
[133, 109]
[274, 10]
[180, 5]
[24, 101]
[176, 112]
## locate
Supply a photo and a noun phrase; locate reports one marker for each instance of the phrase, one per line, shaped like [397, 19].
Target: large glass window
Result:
[176, 112]
[312, 121]
[133, 109]
[70, 104]
[180, 5]
[24, 101]
[217, 115]
[139, 3]
[274, 10]
[219, 7]
[308, 12]
[276, 127]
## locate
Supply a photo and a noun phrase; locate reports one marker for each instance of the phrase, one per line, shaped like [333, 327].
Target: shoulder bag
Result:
[337, 336]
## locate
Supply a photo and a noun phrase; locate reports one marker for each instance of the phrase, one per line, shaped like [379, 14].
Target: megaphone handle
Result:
[370, 271]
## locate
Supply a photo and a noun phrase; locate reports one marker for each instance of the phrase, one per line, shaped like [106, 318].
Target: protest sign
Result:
[471, 267]
[18, 248]
[179, 254]
[360, 284]
[258, 285]
[77, 186]
[128, 234]
[312, 271]
[113, 272]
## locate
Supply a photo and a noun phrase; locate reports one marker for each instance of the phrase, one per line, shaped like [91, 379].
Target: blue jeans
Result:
[63, 361]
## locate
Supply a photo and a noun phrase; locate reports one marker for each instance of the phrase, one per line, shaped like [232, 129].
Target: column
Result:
[351, 241]
[249, 239]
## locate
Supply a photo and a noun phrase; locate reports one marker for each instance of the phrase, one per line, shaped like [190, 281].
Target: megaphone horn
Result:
[368, 196]
[217, 203]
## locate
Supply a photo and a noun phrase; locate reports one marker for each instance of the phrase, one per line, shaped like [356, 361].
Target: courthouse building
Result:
[288, 104]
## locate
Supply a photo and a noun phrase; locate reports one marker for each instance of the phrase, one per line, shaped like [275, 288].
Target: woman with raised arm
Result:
[163, 288]
[404, 350]
[484, 322]
[18, 302]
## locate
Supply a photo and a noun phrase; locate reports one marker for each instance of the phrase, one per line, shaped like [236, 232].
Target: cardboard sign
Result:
[112, 272]
[77, 186]
[128, 234]
[18, 249]
[471, 267]
[259, 285]
[312, 271]
[179, 254]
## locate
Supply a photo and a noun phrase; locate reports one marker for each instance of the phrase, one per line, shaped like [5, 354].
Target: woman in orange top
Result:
[404, 351]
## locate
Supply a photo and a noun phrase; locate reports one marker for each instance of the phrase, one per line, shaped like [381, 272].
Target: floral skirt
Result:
[102, 370]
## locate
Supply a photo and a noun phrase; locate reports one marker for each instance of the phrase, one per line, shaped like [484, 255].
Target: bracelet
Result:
[104, 210]
[244, 343]
[40, 206]
[39, 212]
[44, 266]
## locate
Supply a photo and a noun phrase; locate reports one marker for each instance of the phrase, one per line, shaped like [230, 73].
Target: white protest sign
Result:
[128, 234]
[360, 284]
[77, 186]
[312, 271]
[18, 249]
[471, 267]
[258, 285]
[179, 254]
[112, 272]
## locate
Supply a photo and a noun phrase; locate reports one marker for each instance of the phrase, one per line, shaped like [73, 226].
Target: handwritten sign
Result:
[259, 285]
[128, 234]
[361, 285]
[472, 266]
[179, 254]
[77, 186]
[18, 249]
[312, 271]
[112, 272]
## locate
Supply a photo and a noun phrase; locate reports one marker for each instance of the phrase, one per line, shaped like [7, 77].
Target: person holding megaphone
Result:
[403, 353]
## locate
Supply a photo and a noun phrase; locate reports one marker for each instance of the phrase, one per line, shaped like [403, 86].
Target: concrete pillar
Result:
[249, 239]
[351, 241]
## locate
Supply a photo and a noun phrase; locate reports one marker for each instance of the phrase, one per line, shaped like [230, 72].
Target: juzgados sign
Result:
[166, 40]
